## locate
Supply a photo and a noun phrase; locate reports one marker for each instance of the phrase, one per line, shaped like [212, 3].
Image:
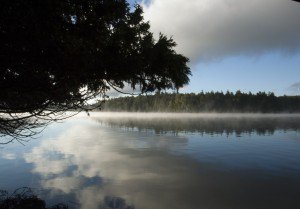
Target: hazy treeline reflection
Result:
[205, 125]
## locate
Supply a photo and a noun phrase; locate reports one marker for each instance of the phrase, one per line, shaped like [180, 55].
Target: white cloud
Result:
[9, 156]
[213, 29]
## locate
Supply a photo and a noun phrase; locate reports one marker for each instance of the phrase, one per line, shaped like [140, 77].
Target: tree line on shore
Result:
[205, 102]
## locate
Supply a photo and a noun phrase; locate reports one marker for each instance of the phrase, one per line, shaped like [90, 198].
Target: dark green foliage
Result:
[206, 102]
[24, 198]
[51, 49]
[55, 55]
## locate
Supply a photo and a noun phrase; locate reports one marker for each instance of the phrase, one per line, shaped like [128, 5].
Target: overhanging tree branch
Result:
[57, 55]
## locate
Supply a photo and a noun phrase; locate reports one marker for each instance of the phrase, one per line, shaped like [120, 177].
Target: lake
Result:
[160, 161]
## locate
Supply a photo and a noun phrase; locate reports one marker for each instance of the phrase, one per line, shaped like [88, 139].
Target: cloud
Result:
[295, 85]
[207, 30]
[9, 156]
[295, 88]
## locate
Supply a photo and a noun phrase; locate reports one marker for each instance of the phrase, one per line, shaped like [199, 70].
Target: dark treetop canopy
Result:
[57, 54]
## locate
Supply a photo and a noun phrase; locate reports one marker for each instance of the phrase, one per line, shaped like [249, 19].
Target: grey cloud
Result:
[214, 29]
[295, 85]
[294, 88]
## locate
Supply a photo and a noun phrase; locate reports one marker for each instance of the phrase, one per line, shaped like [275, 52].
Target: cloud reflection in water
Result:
[95, 163]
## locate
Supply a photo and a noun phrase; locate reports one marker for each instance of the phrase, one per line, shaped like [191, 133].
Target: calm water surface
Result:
[159, 161]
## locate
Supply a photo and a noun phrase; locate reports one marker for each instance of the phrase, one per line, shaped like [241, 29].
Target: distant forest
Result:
[205, 102]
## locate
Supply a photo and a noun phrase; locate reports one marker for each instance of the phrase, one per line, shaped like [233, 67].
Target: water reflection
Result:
[111, 168]
[205, 124]
[93, 163]
[115, 203]
[25, 198]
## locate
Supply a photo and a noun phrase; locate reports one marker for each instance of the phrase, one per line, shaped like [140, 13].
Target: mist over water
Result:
[162, 161]
[145, 115]
[212, 123]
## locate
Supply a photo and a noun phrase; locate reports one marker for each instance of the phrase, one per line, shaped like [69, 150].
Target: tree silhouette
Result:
[56, 55]
[24, 198]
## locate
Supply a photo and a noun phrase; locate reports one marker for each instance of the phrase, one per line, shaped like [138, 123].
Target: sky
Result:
[233, 45]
